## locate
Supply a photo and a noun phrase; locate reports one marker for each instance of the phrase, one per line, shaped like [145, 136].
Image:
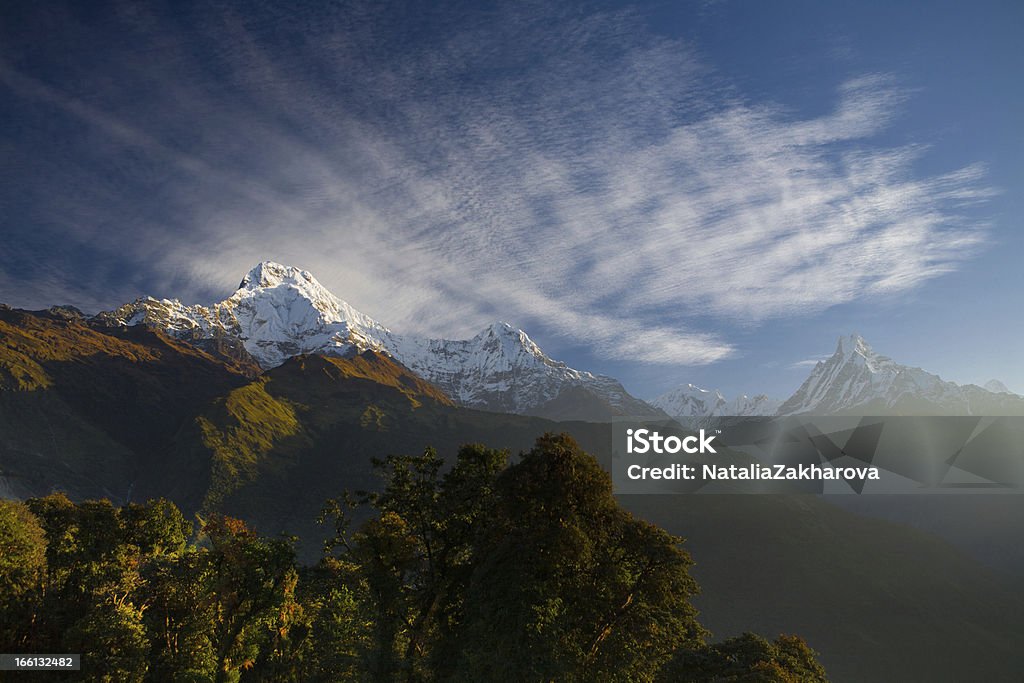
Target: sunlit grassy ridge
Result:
[370, 366]
[90, 408]
[28, 342]
[248, 424]
[262, 427]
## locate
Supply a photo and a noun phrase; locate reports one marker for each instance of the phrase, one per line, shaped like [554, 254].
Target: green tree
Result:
[329, 631]
[180, 616]
[748, 658]
[252, 580]
[480, 571]
[568, 586]
[415, 557]
[90, 566]
[22, 570]
[113, 641]
[156, 528]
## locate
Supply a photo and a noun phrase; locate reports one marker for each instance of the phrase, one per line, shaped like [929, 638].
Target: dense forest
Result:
[482, 571]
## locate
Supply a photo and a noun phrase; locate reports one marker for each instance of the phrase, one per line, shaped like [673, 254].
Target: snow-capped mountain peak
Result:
[857, 379]
[854, 344]
[854, 379]
[280, 311]
[271, 274]
[855, 349]
[510, 342]
[273, 289]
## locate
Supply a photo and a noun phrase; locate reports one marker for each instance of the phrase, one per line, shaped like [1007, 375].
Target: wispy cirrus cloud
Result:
[807, 363]
[557, 169]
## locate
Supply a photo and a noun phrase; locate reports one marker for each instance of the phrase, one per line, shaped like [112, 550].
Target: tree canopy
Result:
[466, 570]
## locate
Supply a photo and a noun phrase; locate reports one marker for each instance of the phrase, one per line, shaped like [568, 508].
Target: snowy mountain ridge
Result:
[691, 401]
[280, 311]
[855, 377]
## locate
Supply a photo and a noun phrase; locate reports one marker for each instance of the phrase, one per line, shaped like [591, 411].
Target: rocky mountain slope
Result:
[279, 312]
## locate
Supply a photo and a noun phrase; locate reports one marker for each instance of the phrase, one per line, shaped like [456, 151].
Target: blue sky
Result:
[708, 192]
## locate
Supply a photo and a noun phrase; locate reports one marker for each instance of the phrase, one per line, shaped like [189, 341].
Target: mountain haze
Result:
[996, 387]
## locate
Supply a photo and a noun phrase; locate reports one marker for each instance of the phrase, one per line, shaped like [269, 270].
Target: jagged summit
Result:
[271, 274]
[857, 379]
[512, 340]
[287, 283]
[281, 311]
[854, 344]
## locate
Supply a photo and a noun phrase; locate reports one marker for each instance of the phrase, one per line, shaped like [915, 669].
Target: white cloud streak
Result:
[573, 173]
[807, 363]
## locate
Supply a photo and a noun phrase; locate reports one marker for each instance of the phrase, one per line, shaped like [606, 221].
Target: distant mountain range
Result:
[279, 312]
[855, 379]
[691, 401]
